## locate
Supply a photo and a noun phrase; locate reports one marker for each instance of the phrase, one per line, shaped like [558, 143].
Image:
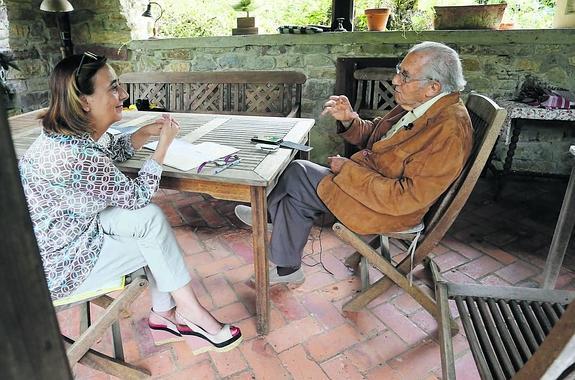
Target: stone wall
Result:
[32, 37]
[495, 62]
[34, 47]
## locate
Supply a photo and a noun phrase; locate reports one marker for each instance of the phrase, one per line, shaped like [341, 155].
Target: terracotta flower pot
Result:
[377, 18]
[468, 16]
[506, 25]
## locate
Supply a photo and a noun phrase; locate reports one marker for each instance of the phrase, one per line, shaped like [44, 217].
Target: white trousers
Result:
[135, 239]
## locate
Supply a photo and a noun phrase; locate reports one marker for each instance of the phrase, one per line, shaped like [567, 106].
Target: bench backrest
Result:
[374, 91]
[268, 93]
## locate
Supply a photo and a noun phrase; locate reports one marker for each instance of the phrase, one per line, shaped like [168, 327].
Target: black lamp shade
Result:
[148, 11]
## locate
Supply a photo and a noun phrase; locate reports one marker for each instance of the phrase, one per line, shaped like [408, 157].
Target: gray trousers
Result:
[293, 205]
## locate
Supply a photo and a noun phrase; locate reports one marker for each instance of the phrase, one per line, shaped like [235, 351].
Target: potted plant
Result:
[405, 16]
[377, 17]
[486, 14]
[246, 25]
[6, 93]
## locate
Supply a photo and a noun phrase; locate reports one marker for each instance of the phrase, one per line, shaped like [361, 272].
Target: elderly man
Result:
[409, 158]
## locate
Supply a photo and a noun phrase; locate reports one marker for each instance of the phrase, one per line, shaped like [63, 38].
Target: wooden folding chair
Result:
[487, 118]
[80, 351]
[514, 333]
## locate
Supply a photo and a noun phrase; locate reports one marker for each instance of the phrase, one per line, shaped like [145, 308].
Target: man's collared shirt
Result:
[412, 115]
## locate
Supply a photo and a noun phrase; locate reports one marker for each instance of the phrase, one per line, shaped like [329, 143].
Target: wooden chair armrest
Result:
[294, 111]
[434, 269]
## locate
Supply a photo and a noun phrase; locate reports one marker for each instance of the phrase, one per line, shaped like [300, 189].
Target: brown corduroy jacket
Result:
[391, 184]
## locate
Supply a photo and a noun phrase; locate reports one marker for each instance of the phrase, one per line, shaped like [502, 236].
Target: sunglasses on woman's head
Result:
[87, 58]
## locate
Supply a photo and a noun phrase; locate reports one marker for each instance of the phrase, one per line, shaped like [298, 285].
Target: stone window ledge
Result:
[518, 36]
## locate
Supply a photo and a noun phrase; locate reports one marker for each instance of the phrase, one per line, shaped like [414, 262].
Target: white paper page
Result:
[133, 125]
[185, 156]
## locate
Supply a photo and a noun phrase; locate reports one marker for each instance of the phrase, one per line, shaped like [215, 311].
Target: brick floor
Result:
[496, 243]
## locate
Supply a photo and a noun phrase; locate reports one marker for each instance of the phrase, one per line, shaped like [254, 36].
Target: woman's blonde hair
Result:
[72, 77]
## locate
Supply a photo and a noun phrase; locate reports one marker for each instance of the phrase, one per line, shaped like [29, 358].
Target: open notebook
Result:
[185, 156]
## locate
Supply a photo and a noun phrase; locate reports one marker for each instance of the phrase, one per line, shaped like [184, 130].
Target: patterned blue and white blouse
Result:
[67, 181]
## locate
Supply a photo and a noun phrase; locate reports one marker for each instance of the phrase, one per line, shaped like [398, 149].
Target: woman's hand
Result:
[142, 135]
[336, 163]
[168, 131]
[340, 108]
[155, 128]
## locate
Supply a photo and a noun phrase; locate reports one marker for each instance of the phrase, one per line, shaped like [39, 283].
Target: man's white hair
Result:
[442, 64]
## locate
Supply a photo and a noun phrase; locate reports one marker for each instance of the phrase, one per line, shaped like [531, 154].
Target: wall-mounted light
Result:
[62, 8]
[148, 13]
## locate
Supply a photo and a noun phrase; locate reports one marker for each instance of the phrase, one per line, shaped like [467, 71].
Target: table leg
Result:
[515, 131]
[561, 236]
[259, 236]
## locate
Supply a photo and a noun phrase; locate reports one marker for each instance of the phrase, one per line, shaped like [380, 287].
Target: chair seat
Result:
[131, 287]
[509, 332]
[505, 326]
[75, 299]
[406, 234]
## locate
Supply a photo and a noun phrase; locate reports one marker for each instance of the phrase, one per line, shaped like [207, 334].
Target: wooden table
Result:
[512, 129]
[249, 181]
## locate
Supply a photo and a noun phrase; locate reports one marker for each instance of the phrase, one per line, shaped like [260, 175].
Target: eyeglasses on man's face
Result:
[405, 78]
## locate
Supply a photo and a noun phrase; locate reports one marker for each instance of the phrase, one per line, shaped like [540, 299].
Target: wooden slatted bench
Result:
[265, 93]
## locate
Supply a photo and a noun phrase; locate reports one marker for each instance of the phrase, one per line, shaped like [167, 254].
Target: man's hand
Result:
[340, 108]
[336, 163]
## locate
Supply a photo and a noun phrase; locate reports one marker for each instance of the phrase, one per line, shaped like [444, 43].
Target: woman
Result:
[92, 223]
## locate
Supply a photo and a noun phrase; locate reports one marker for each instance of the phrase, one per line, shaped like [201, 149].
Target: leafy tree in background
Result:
[193, 18]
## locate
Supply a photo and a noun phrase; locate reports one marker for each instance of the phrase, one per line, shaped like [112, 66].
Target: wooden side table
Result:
[512, 129]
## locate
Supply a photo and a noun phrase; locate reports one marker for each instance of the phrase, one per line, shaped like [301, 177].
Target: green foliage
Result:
[405, 16]
[314, 17]
[191, 18]
[194, 18]
[530, 14]
[245, 6]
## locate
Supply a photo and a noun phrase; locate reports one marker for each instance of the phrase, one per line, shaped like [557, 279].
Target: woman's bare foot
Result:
[170, 315]
[189, 307]
[201, 318]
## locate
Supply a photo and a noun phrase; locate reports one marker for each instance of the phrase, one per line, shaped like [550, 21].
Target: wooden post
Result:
[561, 236]
[259, 236]
[342, 9]
[31, 345]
